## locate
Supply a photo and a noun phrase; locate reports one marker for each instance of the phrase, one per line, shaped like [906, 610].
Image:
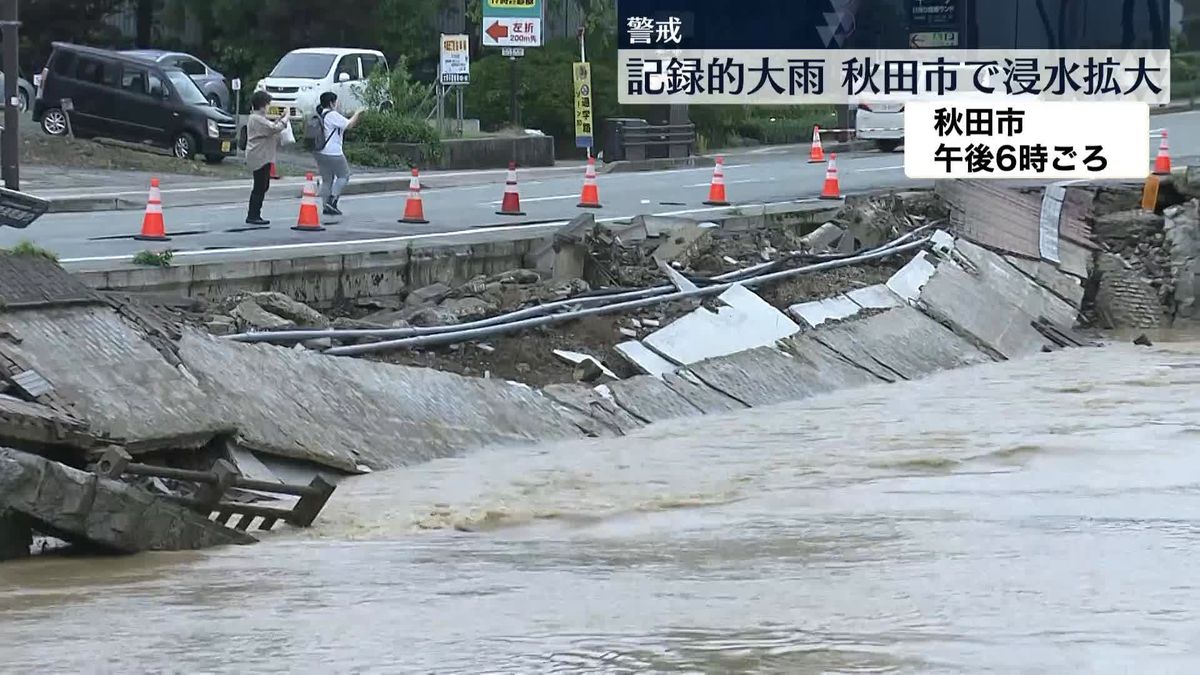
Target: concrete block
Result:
[709, 400]
[650, 399]
[828, 309]
[1018, 289]
[766, 376]
[1066, 286]
[900, 343]
[681, 243]
[991, 318]
[600, 411]
[908, 281]
[878, 296]
[746, 321]
[643, 359]
[822, 238]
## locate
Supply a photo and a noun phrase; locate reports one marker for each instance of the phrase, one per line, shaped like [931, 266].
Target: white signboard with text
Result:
[1026, 139]
[455, 63]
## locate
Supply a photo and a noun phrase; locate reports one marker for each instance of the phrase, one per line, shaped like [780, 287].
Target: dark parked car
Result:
[212, 83]
[130, 99]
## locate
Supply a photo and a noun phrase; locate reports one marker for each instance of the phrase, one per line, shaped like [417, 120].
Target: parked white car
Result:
[882, 123]
[302, 75]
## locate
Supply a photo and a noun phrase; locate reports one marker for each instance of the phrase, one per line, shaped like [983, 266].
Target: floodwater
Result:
[1034, 516]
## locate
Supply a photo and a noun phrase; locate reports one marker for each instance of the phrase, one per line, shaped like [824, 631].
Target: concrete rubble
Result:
[160, 386]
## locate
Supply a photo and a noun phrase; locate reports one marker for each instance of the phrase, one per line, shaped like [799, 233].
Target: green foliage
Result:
[154, 258]
[377, 126]
[396, 89]
[28, 249]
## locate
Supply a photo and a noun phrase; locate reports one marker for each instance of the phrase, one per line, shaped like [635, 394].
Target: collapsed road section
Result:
[616, 326]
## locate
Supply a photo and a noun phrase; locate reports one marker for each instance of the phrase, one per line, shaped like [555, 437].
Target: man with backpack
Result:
[323, 134]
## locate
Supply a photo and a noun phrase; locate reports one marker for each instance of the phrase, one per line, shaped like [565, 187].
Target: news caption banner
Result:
[1026, 139]
[968, 112]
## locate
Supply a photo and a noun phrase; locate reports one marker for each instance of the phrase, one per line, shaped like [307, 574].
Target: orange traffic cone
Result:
[716, 190]
[817, 153]
[414, 209]
[511, 206]
[591, 194]
[274, 171]
[153, 227]
[1162, 163]
[310, 219]
[832, 189]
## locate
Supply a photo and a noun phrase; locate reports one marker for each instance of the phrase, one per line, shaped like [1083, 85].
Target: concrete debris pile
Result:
[1147, 269]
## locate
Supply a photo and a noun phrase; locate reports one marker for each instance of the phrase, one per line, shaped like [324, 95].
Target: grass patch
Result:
[154, 258]
[28, 249]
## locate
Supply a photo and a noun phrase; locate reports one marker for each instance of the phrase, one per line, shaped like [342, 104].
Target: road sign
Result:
[513, 52]
[237, 84]
[512, 23]
[582, 77]
[455, 63]
[933, 40]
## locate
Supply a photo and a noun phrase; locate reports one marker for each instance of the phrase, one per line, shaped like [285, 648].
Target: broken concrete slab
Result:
[576, 358]
[427, 295]
[251, 316]
[708, 400]
[1066, 286]
[346, 412]
[971, 307]
[745, 322]
[84, 508]
[115, 381]
[1001, 277]
[878, 296]
[908, 281]
[766, 376]
[818, 312]
[823, 238]
[599, 410]
[680, 244]
[900, 343]
[285, 307]
[649, 398]
[643, 359]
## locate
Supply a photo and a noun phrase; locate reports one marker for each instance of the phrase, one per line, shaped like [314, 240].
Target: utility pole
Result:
[513, 101]
[10, 142]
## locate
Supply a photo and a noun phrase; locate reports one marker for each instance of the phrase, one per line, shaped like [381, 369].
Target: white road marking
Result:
[735, 182]
[879, 168]
[318, 245]
[533, 199]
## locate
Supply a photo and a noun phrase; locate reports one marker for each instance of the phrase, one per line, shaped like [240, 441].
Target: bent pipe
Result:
[529, 312]
[488, 331]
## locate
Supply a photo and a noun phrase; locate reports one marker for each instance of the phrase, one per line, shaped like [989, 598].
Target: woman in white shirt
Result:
[331, 160]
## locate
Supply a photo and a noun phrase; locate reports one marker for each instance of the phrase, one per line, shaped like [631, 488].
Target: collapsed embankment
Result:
[161, 385]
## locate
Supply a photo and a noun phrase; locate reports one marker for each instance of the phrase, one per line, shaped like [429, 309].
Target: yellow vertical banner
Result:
[583, 104]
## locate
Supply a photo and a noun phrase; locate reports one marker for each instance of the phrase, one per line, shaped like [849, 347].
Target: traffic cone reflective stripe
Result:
[274, 171]
[511, 204]
[414, 210]
[817, 153]
[153, 227]
[832, 189]
[716, 191]
[309, 219]
[590, 198]
[1162, 163]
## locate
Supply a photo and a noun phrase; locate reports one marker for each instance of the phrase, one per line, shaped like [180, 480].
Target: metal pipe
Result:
[488, 331]
[529, 312]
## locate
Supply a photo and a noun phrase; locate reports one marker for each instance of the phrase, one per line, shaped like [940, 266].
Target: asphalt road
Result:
[765, 175]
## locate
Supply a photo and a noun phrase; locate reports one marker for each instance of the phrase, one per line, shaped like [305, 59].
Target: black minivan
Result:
[105, 93]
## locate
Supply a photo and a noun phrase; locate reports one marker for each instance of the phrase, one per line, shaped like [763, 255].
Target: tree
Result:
[44, 21]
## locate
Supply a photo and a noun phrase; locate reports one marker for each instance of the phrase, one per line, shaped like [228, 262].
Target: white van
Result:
[302, 75]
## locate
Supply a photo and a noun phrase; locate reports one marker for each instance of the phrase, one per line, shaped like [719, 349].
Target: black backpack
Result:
[314, 131]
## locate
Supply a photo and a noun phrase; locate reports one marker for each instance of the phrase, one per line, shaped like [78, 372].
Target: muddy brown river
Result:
[1034, 516]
